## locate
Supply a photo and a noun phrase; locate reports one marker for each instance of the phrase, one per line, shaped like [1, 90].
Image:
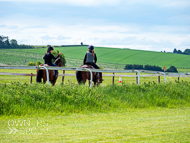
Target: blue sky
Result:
[136, 24]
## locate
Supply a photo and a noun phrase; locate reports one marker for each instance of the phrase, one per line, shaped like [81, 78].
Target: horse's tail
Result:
[78, 76]
[39, 76]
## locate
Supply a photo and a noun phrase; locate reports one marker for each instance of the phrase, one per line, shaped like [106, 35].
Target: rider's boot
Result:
[55, 75]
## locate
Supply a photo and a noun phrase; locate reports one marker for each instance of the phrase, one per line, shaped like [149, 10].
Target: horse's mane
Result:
[57, 61]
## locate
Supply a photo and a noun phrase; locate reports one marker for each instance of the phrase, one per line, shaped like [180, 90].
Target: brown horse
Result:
[82, 76]
[42, 73]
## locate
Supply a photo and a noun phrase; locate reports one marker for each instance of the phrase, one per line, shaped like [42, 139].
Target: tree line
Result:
[5, 43]
[149, 67]
[186, 51]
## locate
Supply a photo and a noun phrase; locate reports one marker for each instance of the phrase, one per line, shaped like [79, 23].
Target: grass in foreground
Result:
[22, 99]
[72, 113]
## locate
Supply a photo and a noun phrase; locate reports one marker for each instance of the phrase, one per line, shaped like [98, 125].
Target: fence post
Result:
[136, 79]
[113, 78]
[63, 77]
[31, 78]
[47, 73]
[90, 77]
[178, 78]
[158, 79]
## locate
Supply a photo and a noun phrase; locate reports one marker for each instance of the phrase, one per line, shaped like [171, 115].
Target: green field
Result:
[123, 112]
[72, 113]
[108, 58]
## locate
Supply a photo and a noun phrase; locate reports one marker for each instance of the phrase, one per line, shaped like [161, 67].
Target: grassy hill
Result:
[114, 58]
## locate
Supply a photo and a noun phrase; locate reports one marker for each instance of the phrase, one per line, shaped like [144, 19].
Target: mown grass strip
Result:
[133, 125]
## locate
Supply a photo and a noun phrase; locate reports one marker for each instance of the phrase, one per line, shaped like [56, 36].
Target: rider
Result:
[90, 57]
[48, 56]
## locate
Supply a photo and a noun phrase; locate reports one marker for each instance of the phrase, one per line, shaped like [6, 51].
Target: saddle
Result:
[46, 65]
[96, 74]
[87, 66]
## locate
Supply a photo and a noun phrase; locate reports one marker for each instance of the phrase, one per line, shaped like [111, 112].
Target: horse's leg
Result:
[51, 77]
[44, 77]
[101, 77]
[83, 80]
[95, 81]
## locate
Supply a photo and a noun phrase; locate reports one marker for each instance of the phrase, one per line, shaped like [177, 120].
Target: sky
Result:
[154, 25]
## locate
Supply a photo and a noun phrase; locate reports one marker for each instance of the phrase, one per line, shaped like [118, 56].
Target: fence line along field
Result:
[108, 80]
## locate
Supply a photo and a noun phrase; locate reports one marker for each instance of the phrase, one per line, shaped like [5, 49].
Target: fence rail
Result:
[150, 73]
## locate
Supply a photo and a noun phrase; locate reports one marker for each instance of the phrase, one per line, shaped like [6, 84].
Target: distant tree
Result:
[14, 43]
[81, 43]
[1, 42]
[128, 66]
[140, 67]
[175, 51]
[7, 44]
[179, 52]
[187, 52]
[4, 42]
[22, 46]
[172, 69]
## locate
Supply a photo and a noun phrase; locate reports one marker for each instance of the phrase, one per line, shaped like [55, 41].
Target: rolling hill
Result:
[107, 57]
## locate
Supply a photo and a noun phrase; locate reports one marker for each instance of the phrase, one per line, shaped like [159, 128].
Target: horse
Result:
[42, 73]
[82, 76]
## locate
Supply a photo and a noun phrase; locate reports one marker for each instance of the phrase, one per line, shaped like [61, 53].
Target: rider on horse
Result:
[90, 57]
[48, 56]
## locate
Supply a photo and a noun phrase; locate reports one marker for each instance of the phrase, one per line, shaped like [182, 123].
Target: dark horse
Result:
[42, 73]
[82, 76]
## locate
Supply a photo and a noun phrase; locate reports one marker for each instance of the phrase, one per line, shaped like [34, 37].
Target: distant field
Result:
[108, 58]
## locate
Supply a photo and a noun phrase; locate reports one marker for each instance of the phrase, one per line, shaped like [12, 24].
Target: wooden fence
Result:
[113, 75]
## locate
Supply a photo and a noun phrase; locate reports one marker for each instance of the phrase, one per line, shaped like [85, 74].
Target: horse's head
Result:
[99, 78]
[59, 62]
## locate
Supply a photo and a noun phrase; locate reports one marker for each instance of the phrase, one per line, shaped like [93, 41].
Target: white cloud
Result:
[35, 29]
[158, 38]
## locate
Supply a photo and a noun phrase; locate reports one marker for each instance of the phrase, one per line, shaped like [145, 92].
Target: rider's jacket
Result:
[48, 58]
[89, 58]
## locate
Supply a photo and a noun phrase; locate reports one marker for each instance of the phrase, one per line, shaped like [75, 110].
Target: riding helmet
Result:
[91, 47]
[50, 48]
